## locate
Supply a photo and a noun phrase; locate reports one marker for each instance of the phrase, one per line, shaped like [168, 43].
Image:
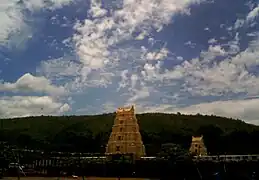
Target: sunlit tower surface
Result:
[125, 138]
[198, 147]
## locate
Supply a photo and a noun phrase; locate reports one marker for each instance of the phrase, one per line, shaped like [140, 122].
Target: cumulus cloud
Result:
[231, 75]
[21, 106]
[34, 5]
[112, 56]
[212, 41]
[253, 14]
[97, 39]
[217, 50]
[157, 55]
[237, 109]
[13, 20]
[97, 10]
[239, 23]
[59, 69]
[249, 20]
[205, 77]
[30, 83]
[240, 109]
[97, 42]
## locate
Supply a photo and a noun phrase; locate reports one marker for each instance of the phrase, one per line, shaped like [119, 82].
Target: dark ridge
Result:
[90, 133]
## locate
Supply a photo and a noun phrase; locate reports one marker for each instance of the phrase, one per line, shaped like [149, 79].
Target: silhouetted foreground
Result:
[152, 169]
[90, 133]
[73, 178]
[164, 135]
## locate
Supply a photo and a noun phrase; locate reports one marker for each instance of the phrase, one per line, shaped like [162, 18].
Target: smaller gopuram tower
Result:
[198, 147]
[125, 138]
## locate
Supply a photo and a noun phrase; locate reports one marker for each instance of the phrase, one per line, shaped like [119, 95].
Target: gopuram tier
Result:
[198, 147]
[125, 138]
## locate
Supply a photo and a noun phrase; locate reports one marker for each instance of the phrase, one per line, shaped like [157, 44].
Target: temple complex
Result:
[198, 147]
[125, 137]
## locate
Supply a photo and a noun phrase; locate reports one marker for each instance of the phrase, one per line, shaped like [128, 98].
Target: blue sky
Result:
[89, 57]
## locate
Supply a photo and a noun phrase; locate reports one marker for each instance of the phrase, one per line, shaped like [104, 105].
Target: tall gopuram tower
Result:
[125, 138]
[198, 147]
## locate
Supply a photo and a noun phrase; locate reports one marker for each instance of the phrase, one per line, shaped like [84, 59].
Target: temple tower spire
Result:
[125, 137]
[198, 147]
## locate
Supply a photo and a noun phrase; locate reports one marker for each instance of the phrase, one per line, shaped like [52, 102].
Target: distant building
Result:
[125, 137]
[198, 147]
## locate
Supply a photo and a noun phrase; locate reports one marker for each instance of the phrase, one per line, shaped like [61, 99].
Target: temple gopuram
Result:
[198, 147]
[125, 138]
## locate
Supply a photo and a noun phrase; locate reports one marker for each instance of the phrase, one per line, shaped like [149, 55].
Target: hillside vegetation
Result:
[90, 133]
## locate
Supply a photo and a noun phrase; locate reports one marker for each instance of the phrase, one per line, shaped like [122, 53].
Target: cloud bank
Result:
[126, 54]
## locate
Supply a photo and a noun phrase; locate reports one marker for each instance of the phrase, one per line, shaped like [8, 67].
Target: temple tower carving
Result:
[198, 147]
[125, 137]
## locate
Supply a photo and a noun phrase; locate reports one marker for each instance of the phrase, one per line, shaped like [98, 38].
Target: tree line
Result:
[90, 133]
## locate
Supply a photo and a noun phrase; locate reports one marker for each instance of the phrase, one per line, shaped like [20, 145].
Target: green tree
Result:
[213, 138]
[91, 133]
[174, 153]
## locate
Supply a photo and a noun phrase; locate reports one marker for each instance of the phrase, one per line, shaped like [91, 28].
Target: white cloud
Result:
[97, 39]
[139, 94]
[59, 69]
[190, 44]
[234, 45]
[180, 58]
[239, 23]
[217, 50]
[240, 109]
[21, 106]
[141, 36]
[206, 77]
[12, 19]
[253, 14]
[110, 57]
[212, 41]
[97, 10]
[106, 107]
[29, 83]
[250, 19]
[157, 55]
[203, 77]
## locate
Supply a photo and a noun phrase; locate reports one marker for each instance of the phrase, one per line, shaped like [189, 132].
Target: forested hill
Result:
[90, 133]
